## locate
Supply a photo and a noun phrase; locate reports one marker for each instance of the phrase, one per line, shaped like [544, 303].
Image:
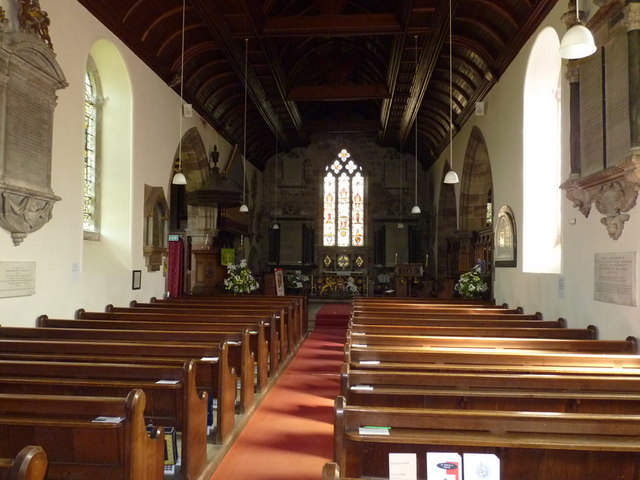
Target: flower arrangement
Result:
[471, 284]
[239, 279]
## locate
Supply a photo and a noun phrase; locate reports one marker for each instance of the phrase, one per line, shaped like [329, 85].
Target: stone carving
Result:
[22, 214]
[34, 20]
[613, 191]
[31, 77]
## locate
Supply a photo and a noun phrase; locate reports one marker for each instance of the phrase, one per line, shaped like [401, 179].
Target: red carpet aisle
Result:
[290, 435]
[333, 315]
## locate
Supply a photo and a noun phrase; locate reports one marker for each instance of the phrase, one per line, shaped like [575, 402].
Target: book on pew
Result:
[171, 457]
[481, 466]
[444, 466]
[403, 466]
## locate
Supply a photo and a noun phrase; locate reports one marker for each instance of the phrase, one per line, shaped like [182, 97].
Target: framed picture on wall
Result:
[136, 280]
[505, 239]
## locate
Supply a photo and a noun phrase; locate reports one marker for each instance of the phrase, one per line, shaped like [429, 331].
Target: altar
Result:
[340, 284]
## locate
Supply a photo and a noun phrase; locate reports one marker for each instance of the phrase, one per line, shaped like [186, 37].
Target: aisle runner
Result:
[290, 435]
[333, 315]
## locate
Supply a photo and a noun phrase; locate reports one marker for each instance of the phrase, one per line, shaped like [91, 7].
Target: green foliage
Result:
[471, 284]
[239, 279]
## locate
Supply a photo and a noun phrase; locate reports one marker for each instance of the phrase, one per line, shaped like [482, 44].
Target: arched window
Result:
[542, 239]
[343, 203]
[92, 113]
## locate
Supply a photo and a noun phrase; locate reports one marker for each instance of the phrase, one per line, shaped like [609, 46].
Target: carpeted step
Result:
[333, 315]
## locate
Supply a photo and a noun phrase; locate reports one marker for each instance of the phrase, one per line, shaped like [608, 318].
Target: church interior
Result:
[288, 168]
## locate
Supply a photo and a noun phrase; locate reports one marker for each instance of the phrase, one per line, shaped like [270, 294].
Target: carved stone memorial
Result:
[29, 79]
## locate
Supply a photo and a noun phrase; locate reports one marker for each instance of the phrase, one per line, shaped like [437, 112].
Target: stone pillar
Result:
[573, 76]
[633, 35]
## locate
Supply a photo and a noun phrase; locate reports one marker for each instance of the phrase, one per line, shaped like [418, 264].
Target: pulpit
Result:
[408, 279]
[207, 274]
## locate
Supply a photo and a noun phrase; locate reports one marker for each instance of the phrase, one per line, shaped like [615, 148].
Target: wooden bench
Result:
[588, 333]
[240, 355]
[447, 315]
[274, 325]
[452, 322]
[297, 303]
[213, 373]
[630, 345]
[531, 445]
[470, 360]
[286, 325]
[29, 464]
[259, 347]
[98, 438]
[172, 397]
[491, 391]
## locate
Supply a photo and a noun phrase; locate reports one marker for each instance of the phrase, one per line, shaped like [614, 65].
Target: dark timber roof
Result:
[328, 65]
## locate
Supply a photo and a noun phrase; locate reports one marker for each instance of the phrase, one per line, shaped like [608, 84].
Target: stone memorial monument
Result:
[29, 79]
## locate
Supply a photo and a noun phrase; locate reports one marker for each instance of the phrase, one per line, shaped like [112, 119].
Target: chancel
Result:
[318, 235]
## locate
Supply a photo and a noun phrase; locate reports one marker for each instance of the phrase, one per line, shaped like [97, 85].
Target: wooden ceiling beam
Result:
[329, 126]
[332, 25]
[336, 93]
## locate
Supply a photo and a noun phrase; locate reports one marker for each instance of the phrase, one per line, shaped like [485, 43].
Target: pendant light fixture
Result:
[276, 226]
[179, 178]
[243, 207]
[451, 176]
[416, 208]
[578, 41]
[400, 225]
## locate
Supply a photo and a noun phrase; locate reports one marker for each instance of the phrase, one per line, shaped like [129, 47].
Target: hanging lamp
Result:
[451, 176]
[276, 226]
[578, 41]
[416, 208]
[244, 208]
[400, 225]
[179, 178]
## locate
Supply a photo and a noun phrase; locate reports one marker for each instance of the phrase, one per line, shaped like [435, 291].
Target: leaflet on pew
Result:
[445, 466]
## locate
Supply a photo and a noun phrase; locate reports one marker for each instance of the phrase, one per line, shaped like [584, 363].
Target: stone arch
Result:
[477, 184]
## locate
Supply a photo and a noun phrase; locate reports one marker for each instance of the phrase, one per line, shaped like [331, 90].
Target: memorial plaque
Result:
[17, 279]
[615, 278]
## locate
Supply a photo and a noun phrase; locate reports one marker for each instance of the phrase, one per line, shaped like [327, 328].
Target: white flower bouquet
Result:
[239, 279]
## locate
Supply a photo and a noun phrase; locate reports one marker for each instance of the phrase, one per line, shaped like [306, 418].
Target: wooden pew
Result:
[78, 445]
[491, 391]
[29, 464]
[240, 355]
[213, 372]
[453, 359]
[259, 347]
[445, 315]
[298, 304]
[274, 325]
[630, 345]
[172, 396]
[531, 445]
[453, 322]
[589, 333]
[237, 313]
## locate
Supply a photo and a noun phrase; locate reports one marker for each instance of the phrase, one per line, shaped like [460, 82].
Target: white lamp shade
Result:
[276, 226]
[244, 208]
[451, 177]
[416, 210]
[179, 179]
[577, 43]
[400, 226]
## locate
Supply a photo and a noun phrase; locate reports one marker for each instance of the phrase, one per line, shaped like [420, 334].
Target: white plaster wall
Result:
[502, 130]
[61, 284]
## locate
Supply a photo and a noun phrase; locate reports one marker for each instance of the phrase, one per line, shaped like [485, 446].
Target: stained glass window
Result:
[343, 203]
[91, 125]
